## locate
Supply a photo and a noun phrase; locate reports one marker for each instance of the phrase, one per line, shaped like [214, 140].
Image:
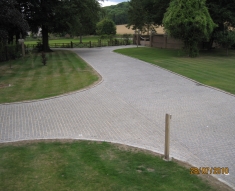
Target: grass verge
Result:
[68, 40]
[85, 165]
[28, 79]
[210, 68]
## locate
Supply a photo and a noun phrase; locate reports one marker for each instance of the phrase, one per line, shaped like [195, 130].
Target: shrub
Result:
[106, 27]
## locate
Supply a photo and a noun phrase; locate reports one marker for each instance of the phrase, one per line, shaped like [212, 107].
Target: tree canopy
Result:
[106, 27]
[57, 16]
[118, 13]
[225, 38]
[144, 15]
[189, 21]
[12, 22]
[223, 14]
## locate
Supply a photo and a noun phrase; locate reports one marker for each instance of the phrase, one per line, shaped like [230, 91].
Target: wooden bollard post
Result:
[71, 44]
[23, 49]
[21, 41]
[138, 38]
[167, 137]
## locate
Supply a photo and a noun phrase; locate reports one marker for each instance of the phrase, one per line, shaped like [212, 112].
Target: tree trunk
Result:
[10, 38]
[45, 44]
[17, 38]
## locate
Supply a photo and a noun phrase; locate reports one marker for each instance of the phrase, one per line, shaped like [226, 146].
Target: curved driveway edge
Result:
[129, 108]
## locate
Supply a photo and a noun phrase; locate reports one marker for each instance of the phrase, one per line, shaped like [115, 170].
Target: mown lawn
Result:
[68, 40]
[86, 165]
[213, 68]
[28, 79]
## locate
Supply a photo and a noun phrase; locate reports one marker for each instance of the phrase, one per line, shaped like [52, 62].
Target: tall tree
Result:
[106, 27]
[146, 14]
[85, 22]
[226, 38]
[155, 10]
[223, 14]
[12, 22]
[136, 15]
[60, 16]
[118, 13]
[189, 21]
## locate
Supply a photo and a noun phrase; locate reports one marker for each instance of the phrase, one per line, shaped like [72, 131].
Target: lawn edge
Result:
[196, 82]
[93, 85]
[211, 179]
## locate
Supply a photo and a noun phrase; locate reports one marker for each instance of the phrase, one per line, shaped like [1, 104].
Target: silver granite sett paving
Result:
[129, 107]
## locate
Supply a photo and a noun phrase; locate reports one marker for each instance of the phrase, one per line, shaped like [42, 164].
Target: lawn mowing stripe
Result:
[21, 75]
[50, 76]
[59, 76]
[189, 68]
[212, 73]
[63, 80]
[194, 68]
[37, 78]
[49, 80]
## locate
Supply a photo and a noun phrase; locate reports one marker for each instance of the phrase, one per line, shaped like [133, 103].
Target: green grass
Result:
[211, 68]
[68, 40]
[88, 165]
[29, 79]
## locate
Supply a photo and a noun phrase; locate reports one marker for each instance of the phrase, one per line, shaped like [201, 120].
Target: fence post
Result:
[167, 137]
[6, 53]
[71, 44]
[23, 49]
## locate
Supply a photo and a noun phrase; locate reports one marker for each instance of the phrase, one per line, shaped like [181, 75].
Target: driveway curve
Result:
[129, 107]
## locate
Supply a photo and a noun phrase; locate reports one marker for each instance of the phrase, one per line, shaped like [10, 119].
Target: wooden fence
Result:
[10, 52]
[15, 51]
[99, 43]
[159, 41]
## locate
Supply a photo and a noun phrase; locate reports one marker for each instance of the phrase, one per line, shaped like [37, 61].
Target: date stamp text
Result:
[209, 170]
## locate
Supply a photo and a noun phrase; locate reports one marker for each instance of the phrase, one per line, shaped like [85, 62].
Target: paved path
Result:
[129, 107]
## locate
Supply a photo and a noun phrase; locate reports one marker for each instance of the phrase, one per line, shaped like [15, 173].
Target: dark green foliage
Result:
[117, 13]
[56, 16]
[9, 52]
[136, 15]
[223, 14]
[11, 22]
[126, 38]
[83, 16]
[106, 27]
[145, 15]
[189, 21]
[225, 38]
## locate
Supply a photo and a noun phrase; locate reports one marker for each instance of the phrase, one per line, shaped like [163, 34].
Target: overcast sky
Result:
[111, 2]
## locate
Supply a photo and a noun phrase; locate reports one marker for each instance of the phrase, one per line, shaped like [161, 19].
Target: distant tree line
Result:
[118, 13]
[211, 20]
